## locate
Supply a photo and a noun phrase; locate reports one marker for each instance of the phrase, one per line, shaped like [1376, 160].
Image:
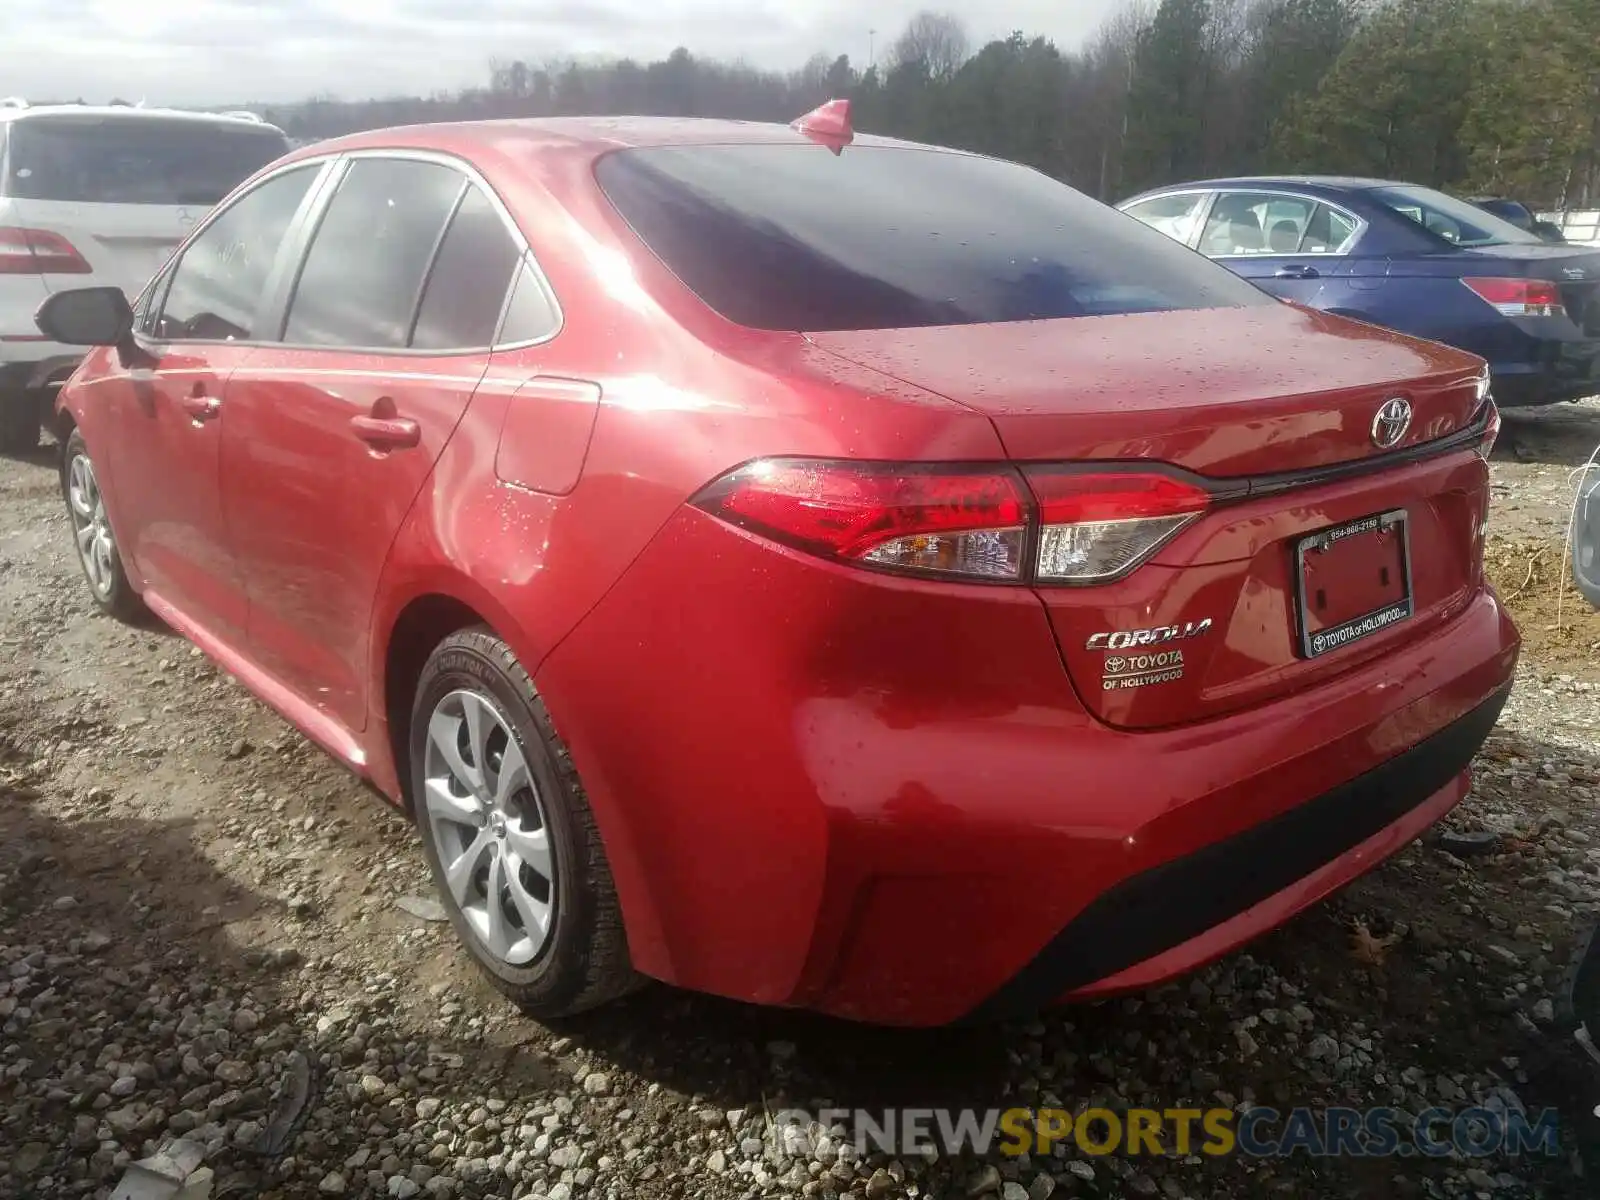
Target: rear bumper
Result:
[1185, 912]
[1549, 371]
[882, 798]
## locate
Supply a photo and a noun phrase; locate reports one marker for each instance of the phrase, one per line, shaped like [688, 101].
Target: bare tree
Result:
[1108, 64]
[936, 40]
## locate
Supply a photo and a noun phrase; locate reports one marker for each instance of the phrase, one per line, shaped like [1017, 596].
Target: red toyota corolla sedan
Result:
[832, 573]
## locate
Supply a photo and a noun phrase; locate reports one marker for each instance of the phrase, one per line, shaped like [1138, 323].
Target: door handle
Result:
[387, 433]
[201, 407]
[1296, 271]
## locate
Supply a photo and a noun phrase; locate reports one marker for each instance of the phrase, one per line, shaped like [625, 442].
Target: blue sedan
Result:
[1409, 258]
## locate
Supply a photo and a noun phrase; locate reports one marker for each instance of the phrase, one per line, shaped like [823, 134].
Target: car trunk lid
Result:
[1316, 528]
[1223, 392]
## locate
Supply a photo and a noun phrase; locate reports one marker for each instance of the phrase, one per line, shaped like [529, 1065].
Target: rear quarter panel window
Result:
[793, 237]
[531, 314]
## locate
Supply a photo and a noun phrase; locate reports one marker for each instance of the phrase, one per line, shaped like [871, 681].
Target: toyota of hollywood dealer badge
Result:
[1141, 670]
[1141, 657]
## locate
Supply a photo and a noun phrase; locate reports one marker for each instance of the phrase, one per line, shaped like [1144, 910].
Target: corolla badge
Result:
[1128, 639]
[1390, 422]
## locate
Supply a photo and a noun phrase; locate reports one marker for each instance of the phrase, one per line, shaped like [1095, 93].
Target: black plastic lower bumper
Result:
[1165, 906]
[1553, 371]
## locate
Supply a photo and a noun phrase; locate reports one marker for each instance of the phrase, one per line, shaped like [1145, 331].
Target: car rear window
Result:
[1456, 221]
[133, 160]
[793, 237]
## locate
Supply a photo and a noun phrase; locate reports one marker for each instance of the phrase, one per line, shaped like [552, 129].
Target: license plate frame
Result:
[1314, 643]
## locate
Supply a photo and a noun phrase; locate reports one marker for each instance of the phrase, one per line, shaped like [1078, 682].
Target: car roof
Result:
[1349, 183]
[596, 135]
[23, 112]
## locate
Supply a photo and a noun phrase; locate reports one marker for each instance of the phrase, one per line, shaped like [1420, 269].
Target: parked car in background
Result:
[750, 576]
[1585, 531]
[1520, 215]
[98, 195]
[1409, 258]
[1580, 227]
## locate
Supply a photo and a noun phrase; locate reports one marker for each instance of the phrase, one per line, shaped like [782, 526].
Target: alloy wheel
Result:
[90, 527]
[488, 824]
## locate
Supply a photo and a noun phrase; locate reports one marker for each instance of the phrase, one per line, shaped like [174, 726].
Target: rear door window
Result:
[793, 237]
[87, 159]
[363, 274]
[1243, 223]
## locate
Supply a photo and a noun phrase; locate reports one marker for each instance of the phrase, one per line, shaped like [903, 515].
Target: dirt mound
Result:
[1559, 629]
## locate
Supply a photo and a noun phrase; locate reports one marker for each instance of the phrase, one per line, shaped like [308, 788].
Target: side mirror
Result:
[95, 316]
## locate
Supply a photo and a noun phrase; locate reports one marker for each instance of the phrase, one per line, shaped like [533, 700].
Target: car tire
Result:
[93, 539]
[501, 811]
[19, 422]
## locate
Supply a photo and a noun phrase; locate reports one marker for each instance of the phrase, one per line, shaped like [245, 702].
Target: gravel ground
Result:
[200, 914]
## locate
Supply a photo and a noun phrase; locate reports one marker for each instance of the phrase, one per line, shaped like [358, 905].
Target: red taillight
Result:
[960, 521]
[39, 252]
[1097, 525]
[950, 519]
[1519, 297]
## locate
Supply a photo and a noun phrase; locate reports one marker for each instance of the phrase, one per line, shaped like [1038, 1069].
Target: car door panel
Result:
[166, 460]
[334, 433]
[315, 501]
[1261, 236]
[194, 330]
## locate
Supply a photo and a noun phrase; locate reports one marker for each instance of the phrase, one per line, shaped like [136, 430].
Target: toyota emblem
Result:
[1390, 422]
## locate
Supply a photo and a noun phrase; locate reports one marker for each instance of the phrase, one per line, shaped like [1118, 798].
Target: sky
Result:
[206, 52]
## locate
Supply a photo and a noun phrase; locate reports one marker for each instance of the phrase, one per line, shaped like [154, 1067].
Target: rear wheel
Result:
[509, 835]
[19, 421]
[92, 537]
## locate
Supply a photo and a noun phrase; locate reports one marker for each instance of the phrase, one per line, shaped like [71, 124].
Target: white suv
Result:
[99, 196]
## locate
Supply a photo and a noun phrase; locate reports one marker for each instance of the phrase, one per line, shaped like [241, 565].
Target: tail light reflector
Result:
[959, 521]
[947, 520]
[39, 252]
[1096, 526]
[1519, 297]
